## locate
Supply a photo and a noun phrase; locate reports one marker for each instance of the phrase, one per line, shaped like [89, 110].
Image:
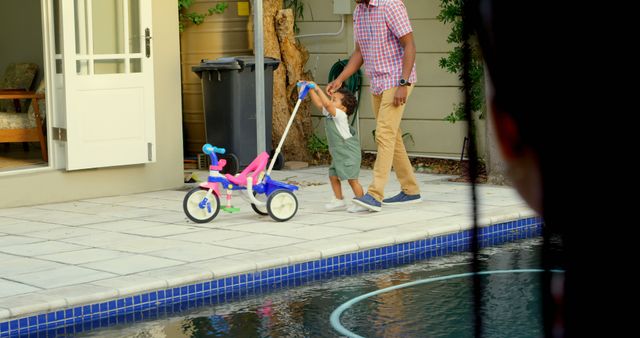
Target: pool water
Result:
[511, 304]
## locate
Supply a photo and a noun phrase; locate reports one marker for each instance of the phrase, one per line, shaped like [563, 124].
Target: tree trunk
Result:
[496, 168]
[295, 56]
[295, 146]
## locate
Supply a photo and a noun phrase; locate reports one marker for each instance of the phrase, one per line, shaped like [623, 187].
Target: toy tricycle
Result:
[267, 196]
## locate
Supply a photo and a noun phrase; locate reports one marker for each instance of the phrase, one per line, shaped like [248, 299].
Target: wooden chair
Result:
[25, 127]
[19, 77]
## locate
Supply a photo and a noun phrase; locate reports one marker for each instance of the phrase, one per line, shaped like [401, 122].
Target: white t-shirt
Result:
[341, 121]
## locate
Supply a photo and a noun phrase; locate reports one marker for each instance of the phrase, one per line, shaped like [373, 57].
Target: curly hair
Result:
[349, 100]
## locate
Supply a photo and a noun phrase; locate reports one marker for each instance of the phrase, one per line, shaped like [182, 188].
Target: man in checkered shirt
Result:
[385, 45]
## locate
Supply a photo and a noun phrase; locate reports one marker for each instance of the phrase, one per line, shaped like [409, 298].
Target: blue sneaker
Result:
[402, 198]
[368, 202]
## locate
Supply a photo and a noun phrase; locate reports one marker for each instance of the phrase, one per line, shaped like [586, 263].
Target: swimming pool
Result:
[511, 304]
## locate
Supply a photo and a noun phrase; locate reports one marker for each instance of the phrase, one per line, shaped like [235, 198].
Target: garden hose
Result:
[353, 83]
[334, 319]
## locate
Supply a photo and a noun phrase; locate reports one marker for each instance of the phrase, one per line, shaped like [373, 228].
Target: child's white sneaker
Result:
[356, 208]
[335, 204]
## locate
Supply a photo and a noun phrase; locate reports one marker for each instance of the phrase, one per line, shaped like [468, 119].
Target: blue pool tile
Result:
[33, 321]
[175, 292]
[78, 328]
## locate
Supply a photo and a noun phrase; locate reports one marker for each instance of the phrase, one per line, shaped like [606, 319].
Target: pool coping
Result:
[436, 238]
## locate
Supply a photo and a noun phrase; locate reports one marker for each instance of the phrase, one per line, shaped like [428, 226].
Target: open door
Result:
[107, 89]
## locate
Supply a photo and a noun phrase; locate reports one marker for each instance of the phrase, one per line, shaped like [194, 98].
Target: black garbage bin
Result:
[229, 95]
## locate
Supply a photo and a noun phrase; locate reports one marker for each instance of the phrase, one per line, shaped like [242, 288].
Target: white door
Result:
[108, 82]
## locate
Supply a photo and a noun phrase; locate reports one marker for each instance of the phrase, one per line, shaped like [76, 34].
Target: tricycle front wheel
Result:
[197, 209]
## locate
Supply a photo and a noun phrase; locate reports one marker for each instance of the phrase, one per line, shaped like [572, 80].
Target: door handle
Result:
[147, 42]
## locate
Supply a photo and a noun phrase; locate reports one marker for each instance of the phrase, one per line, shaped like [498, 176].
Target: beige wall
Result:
[436, 91]
[226, 34]
[23, 188]
[20, 33]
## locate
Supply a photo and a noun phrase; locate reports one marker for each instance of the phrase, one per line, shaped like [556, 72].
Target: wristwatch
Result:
[404, 82]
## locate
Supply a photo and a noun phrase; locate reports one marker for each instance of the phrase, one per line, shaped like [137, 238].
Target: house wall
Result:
[435, 94]
[226, 34]
[45, 186]
[21, 33]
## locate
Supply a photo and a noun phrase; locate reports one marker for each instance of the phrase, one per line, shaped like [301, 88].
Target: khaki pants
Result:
[391, 149]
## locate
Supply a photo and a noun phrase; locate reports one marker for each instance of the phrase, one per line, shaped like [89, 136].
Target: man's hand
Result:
[401, 96]
[333, 86]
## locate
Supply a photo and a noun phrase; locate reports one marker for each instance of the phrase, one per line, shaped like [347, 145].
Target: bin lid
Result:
[233, 63]
[250, 60]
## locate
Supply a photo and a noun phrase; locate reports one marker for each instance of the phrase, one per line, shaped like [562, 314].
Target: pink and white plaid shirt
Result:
[378, 28]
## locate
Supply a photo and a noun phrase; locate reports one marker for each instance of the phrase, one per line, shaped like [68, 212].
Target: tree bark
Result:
[295, 146]
[295, 56]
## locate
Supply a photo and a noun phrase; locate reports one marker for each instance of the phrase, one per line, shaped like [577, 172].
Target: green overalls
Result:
[345, 154]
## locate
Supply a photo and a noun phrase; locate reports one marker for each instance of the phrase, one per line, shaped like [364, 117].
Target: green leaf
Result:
[451, 13]
[195, 17]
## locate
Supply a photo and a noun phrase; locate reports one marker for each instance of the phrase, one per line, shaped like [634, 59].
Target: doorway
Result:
[23, 142]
